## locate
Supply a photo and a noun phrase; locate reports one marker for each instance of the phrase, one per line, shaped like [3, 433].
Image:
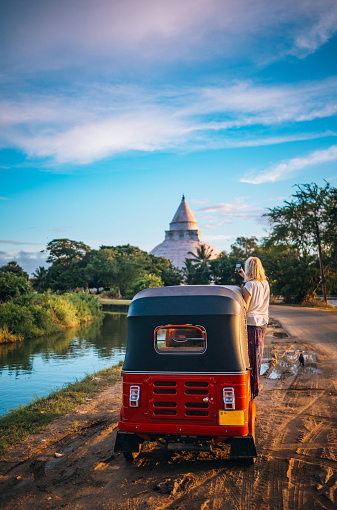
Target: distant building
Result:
[184, 236]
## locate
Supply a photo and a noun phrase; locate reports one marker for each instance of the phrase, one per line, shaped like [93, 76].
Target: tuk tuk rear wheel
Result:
[130, 456]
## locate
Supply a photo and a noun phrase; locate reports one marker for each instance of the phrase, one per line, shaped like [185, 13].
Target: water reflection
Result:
[50, 362]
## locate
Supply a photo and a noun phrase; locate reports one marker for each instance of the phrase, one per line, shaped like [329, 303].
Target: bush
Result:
[13, 286]
[45, 314]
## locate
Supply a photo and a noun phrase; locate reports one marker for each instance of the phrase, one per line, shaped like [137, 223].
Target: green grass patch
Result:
[318, 305]
[34, 418]
[43, 314]
[115, 301]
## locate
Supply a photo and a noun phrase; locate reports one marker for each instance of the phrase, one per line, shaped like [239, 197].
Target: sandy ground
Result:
[72, 465]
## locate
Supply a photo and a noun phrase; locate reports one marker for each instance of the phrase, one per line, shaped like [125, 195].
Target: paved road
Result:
[316, 327]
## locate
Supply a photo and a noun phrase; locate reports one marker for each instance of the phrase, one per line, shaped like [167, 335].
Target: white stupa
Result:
[183, 237]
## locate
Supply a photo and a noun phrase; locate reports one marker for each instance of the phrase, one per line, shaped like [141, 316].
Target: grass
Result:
[115, 301]
[42, 314]
[315, 304]
[34, 417]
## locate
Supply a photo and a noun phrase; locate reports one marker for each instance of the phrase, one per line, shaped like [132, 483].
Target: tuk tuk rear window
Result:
[176, 339]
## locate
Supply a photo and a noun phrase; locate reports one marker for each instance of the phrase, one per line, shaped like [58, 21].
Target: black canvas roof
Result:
[188, 299]
[219, 309]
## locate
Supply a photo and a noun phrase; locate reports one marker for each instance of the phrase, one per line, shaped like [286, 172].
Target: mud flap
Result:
[243, 448]
[127, 442]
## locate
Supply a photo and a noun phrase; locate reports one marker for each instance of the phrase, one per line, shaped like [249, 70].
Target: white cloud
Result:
[29, 261]
[285, 169]
[104, 121]
[219, 237]
[44, 35]
[3, 241]
[226, 208]
[194, 201]
[3, 198]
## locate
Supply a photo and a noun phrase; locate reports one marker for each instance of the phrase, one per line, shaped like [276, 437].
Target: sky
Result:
[110, 111]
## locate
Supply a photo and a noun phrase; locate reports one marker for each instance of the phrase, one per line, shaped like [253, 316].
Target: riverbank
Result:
[35, 417]
[43, 314]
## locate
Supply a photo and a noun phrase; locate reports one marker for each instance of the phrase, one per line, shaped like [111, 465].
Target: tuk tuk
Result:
[186, 374]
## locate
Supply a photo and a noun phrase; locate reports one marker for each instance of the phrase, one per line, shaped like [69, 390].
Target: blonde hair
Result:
[254, 269]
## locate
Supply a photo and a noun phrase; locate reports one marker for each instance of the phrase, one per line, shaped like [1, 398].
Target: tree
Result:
[146, 281]
[307, 222]
[13, 267]
[66, 251]
[68, 262]
[198, 269]
[13, 286]
[245, 247]
[40, 279]
[294, 278]
[223, 270]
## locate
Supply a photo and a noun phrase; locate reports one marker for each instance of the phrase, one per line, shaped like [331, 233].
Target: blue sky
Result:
[111, 110]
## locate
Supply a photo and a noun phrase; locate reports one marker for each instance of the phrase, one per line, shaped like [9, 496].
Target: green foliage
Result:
[197, 268]
[308, 222]
[45, 314]
[245, 247]
[40, 280]
[223, 267]
[145, 281]
[119, 268]
[13, 285]
[68, 262]
[13, 267]
[294, 278]
[66, 251]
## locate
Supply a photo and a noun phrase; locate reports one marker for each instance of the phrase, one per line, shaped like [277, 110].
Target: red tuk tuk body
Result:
[186, 375]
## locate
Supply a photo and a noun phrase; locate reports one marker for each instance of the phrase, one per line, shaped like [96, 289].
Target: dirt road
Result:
[72, 464]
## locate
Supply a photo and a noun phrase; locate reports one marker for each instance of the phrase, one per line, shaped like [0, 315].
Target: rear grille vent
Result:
[181, 400]
[165, 412]
[165, 391]
[197, 384]
[197, 405]
[196, 413]
[165, 404]
[165, 383]
[196, 392]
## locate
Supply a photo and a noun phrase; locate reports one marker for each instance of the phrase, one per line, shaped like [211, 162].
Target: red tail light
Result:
[228, 398]
[134, 399]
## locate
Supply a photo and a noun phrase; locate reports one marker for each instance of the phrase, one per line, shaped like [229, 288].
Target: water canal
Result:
[36, 367]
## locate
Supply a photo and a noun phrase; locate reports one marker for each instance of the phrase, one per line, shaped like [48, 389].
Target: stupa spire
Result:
[183, 218]
[183, 238]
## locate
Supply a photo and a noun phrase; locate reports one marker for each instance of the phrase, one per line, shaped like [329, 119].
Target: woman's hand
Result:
[240, 272]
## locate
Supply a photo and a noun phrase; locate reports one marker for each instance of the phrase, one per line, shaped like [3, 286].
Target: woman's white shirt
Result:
[257, 313]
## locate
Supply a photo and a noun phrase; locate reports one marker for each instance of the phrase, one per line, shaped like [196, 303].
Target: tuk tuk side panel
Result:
[190, 404]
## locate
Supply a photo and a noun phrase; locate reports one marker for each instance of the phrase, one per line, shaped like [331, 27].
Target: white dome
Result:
[183, 237]
[177, 251]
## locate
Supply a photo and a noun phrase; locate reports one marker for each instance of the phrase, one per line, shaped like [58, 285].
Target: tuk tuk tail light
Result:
[228, 398]
[134, 399]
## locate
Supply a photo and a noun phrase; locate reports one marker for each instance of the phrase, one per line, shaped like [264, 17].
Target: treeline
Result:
[121, 271]
[293, 270]
[299, 255]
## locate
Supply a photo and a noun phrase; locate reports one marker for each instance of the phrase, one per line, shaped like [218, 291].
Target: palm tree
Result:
[203, 254]
[200, 264]
[40, 279]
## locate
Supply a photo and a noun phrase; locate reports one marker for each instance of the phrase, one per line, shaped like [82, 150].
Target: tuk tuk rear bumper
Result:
[224, 431]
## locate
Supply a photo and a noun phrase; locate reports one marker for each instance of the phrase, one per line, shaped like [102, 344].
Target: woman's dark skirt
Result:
[255, 351]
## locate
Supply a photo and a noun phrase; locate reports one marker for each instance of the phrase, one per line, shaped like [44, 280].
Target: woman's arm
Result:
[247, 297]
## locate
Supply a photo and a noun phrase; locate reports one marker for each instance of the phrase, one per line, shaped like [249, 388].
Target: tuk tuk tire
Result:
[130, 456]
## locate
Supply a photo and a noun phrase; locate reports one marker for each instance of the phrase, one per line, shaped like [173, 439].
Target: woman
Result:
[256, 295]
